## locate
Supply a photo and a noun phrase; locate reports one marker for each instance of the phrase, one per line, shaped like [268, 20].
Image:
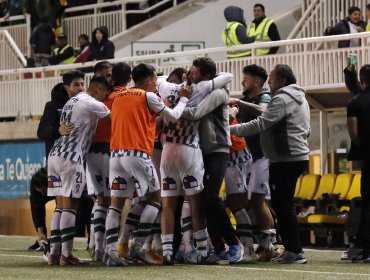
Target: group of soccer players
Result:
[165, 145]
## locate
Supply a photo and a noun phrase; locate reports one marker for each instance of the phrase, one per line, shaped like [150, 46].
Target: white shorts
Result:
[182, 170]
[136, 200]
[132, 176]
[97, 174]
[65, 177]
[259, 179]
[237, 173]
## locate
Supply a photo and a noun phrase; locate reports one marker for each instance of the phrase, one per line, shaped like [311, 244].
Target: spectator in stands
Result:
[84, 52]
[358, 117]
[350, 25]
[16, 7]
[46, 11]
[30, 9]
[63, 53]
[58, 14]
[40, 10]
[287, 118]
[235, 32]
[101, 47]
[4, 10]
[264, 29]
[42, 40]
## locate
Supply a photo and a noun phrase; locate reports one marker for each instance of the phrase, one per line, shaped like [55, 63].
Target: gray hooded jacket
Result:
[214, 129]
[284, 126]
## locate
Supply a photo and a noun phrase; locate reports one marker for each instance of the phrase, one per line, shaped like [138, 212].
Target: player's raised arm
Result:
[156, 105]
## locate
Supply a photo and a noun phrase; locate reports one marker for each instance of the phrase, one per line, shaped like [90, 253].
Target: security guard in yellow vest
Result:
[235, 32]
[64, 53]
[264, 29]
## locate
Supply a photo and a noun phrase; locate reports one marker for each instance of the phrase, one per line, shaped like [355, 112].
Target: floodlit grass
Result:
[17, 263]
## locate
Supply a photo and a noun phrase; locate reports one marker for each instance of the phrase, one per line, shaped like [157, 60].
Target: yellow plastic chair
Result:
[347, 186]
[326, 185]
[309, 186]
[298, 186]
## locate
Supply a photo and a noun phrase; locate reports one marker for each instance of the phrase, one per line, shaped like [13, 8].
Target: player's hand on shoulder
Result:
[65, 129]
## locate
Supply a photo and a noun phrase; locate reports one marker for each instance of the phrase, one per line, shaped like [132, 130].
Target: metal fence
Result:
[19, 28]
[25, 91]
[318, 14]
[11, 56]
[113, 15]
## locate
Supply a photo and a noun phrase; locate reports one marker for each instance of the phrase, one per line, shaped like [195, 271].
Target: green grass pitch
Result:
[17, 263]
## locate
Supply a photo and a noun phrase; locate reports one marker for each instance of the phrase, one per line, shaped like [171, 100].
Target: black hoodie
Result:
[42, 38]
[48, 129]
[101, 50]
[236, 14]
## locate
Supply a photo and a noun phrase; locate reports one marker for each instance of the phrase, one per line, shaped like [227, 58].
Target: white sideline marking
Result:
[291, 270]
[22, 256]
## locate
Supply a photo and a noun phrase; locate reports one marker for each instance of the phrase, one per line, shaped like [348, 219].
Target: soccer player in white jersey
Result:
[182, 170]
[66, 172]
[97, 167]
[132, 172]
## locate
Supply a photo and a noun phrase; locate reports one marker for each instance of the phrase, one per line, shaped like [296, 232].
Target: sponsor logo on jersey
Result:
[54, 182]
[119, 184]
[190, 182]
[169, 184]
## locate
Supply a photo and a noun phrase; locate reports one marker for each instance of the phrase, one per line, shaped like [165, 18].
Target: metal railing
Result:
[25, 91]
[20, 29]
[318, 14]
[11, 55]
[114, 19]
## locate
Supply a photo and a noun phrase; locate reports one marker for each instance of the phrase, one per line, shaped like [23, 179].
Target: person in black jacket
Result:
[42, 39]
[358, 117]
[38, 200]
[101, 47]
[48, 129]
[351, 24]
[272, 32]
[353, 85]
